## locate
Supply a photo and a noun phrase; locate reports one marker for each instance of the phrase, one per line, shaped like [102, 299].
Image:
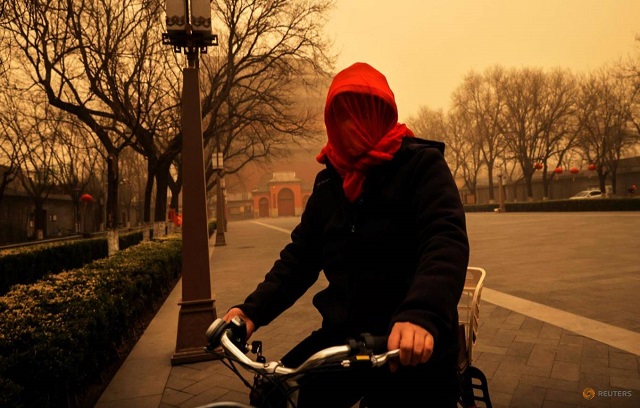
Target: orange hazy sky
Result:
[425, 47]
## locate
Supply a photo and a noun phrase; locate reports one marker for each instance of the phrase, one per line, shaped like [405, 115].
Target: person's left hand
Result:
[415, 344]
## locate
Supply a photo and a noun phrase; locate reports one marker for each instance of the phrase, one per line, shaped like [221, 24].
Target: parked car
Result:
[587, 194]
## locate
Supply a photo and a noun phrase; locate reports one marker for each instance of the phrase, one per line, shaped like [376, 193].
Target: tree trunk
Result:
[528, 178]
[492, 195]
[614, 190]
[39, 219]
[602, 179]
[112, 191]
[162, 183]
[148, 189]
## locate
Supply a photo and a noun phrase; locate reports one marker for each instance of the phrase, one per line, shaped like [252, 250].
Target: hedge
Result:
[28, 264]
[593, 204]
[59, 333]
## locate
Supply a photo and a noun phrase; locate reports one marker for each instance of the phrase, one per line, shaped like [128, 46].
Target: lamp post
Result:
[220, 216]
[501, 193]
[189, 30]
[75, 194]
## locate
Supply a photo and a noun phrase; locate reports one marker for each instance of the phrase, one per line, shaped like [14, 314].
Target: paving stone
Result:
[175, 397]
[531, 326]
[520, 349]
[569, 353]
[542, 356]
[187, 372]
[210, 395]
[556, 404]
[502, 338]
[593, 349]
[504, 382]
[490, 349]
[500, 399]
[565, 371]
[622, 360]
[525, 338]
[513, 365]
[621, 372]
[571, 338]
[549, 331]
[567, 397]
[594, 365]
[626, 383]
[515, 319]
[527, 396]
[488, 367]
[626, 402]
[179, 383]
[489, 356]
[596, 381]
[551, 383]
[598, 402]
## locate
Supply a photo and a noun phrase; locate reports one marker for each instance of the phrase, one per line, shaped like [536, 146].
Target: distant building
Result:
[284, 195]
[239, 206]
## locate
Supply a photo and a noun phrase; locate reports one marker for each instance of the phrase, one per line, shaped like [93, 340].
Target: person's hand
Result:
[415, 344]
[233, 312]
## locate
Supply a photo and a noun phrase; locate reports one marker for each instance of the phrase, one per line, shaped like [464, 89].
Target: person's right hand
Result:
[233, 312]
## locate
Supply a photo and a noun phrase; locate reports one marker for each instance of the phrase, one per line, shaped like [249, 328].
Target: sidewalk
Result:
[532, 354]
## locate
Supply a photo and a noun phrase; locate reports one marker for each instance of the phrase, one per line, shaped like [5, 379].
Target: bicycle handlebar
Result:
[231, 337]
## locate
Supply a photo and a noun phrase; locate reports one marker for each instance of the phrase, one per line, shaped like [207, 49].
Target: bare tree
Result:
[479, 103]
[462, 151]
[604, 113]
[465, 142]
[74, 157]
[629, 72]
[259, 97]
[11, 158]
[87, 57]
[536, 121]
[38, 150]
[432, 125]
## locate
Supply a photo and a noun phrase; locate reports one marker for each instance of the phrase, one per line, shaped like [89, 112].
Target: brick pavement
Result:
[529, 363]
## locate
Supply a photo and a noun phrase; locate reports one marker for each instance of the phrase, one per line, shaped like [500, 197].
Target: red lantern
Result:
[558, 170]
[592, 167]
[86, 198]
[537, 166]
[574, 170]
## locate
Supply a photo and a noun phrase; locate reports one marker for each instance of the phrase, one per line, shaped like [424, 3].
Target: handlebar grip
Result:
[214, 332]
[236, 330]
[377, 344]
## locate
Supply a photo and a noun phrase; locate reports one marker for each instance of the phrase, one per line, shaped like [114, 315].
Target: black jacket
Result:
[399, 253]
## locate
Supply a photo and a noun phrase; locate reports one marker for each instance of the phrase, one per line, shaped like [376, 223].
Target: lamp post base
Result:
[220, 239]
[193, 321]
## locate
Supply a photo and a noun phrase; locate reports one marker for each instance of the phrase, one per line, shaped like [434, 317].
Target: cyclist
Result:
[386, 226]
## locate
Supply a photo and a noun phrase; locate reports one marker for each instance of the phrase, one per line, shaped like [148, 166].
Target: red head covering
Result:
[361, 118]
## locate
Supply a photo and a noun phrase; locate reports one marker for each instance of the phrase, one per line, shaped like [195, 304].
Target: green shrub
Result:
[61, 331]
[30, 263]
[594, 204]
[130, 239]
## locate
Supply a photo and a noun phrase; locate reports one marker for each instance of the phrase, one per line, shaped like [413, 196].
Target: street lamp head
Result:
[189, 31]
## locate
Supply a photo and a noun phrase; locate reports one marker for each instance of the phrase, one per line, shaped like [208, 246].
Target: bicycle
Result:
[275, 386]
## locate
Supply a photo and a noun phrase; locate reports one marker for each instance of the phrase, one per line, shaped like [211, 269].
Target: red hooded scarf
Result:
[361, 118]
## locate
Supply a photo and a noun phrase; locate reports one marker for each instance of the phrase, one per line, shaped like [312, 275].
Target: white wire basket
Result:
[469, 309]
